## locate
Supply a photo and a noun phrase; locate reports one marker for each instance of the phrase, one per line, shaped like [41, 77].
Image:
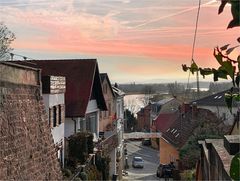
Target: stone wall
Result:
[27, 150]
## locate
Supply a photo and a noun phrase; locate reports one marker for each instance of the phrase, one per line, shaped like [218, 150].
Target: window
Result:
[91, 123]
[109, 109]
[49, 116]
[54, 116]
[59, 114]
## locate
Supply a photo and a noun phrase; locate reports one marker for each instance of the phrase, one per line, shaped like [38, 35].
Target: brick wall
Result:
[167, 152]
[27, 150]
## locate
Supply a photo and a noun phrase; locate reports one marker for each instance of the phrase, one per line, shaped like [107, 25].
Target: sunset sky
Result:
[133, 40]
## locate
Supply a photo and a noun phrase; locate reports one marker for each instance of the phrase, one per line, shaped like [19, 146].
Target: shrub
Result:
[102, 163]
[66, 173]
[80, 145]
[83, 176]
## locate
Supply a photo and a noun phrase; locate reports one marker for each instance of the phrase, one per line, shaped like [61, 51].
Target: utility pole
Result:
[198, 89]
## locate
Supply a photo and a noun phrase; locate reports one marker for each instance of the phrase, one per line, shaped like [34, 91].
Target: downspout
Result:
[75, 126]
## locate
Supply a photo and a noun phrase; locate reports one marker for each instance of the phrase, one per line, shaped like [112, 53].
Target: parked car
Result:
[146, 142]
[165, 170]
[137, 162]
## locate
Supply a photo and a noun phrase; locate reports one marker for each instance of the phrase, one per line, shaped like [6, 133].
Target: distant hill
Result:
[134, 88]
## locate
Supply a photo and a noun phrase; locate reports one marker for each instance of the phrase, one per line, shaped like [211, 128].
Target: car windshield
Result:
[166, 166]
[138, 159]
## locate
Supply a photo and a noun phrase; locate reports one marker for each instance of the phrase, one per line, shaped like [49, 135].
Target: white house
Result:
[119, 98]
[83, 97]
[53, 90]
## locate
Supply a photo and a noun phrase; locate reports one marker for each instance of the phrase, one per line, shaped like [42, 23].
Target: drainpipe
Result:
[75, 126]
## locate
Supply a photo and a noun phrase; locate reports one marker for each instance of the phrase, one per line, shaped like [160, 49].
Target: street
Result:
[151, 161]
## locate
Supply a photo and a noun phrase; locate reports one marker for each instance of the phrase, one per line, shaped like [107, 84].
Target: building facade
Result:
[27, 146]
[53, 91]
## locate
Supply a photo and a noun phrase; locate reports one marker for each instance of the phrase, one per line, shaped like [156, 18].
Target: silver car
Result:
[137, 162]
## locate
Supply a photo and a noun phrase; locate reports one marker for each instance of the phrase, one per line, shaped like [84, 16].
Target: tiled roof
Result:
[183, 127]
[164, 121]
[82, 82]
[214, 100]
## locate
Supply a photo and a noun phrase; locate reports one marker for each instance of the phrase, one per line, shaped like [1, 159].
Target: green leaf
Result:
[224, 47]
[238, 60]
[236, 97]
[235, 10]
[222, 73]
[228, 100]
[218, 56]
[221, 7]
[237, 80]
[185, 68]
[229, 68]
[205, 71]
[215, 76]
[235, 167]
[231, 49]
[194, 68]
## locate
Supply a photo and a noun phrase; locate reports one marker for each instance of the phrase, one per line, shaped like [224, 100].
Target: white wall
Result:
[69, 128]
[112, 164]
[120, 107]
[51, 100]
[58, 133]
[92, 106]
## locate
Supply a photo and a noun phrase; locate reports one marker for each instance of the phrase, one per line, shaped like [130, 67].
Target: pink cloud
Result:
[104, 35]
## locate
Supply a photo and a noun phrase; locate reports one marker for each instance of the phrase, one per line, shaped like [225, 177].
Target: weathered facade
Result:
[107, 117]
[111, 126]
[144, 118]
[216, 156]
[27, 147]
[53, 90]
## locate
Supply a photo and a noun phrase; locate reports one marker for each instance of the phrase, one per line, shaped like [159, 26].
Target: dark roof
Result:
[183, 127]
[82, 82]
[104, 76]
[214, 100]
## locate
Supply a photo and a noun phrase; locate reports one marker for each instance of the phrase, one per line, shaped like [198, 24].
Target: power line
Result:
[193, 48]
[25, 58]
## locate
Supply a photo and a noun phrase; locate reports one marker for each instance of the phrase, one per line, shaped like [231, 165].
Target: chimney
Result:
[194, 110]
[185, 107]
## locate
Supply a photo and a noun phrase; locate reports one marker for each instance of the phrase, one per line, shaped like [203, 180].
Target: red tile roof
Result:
[82, 81]
[164, 121]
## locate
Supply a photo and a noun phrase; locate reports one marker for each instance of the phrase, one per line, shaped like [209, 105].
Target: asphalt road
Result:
[151, 162]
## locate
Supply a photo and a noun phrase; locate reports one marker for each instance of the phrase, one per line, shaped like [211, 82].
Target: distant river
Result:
[135, 102]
